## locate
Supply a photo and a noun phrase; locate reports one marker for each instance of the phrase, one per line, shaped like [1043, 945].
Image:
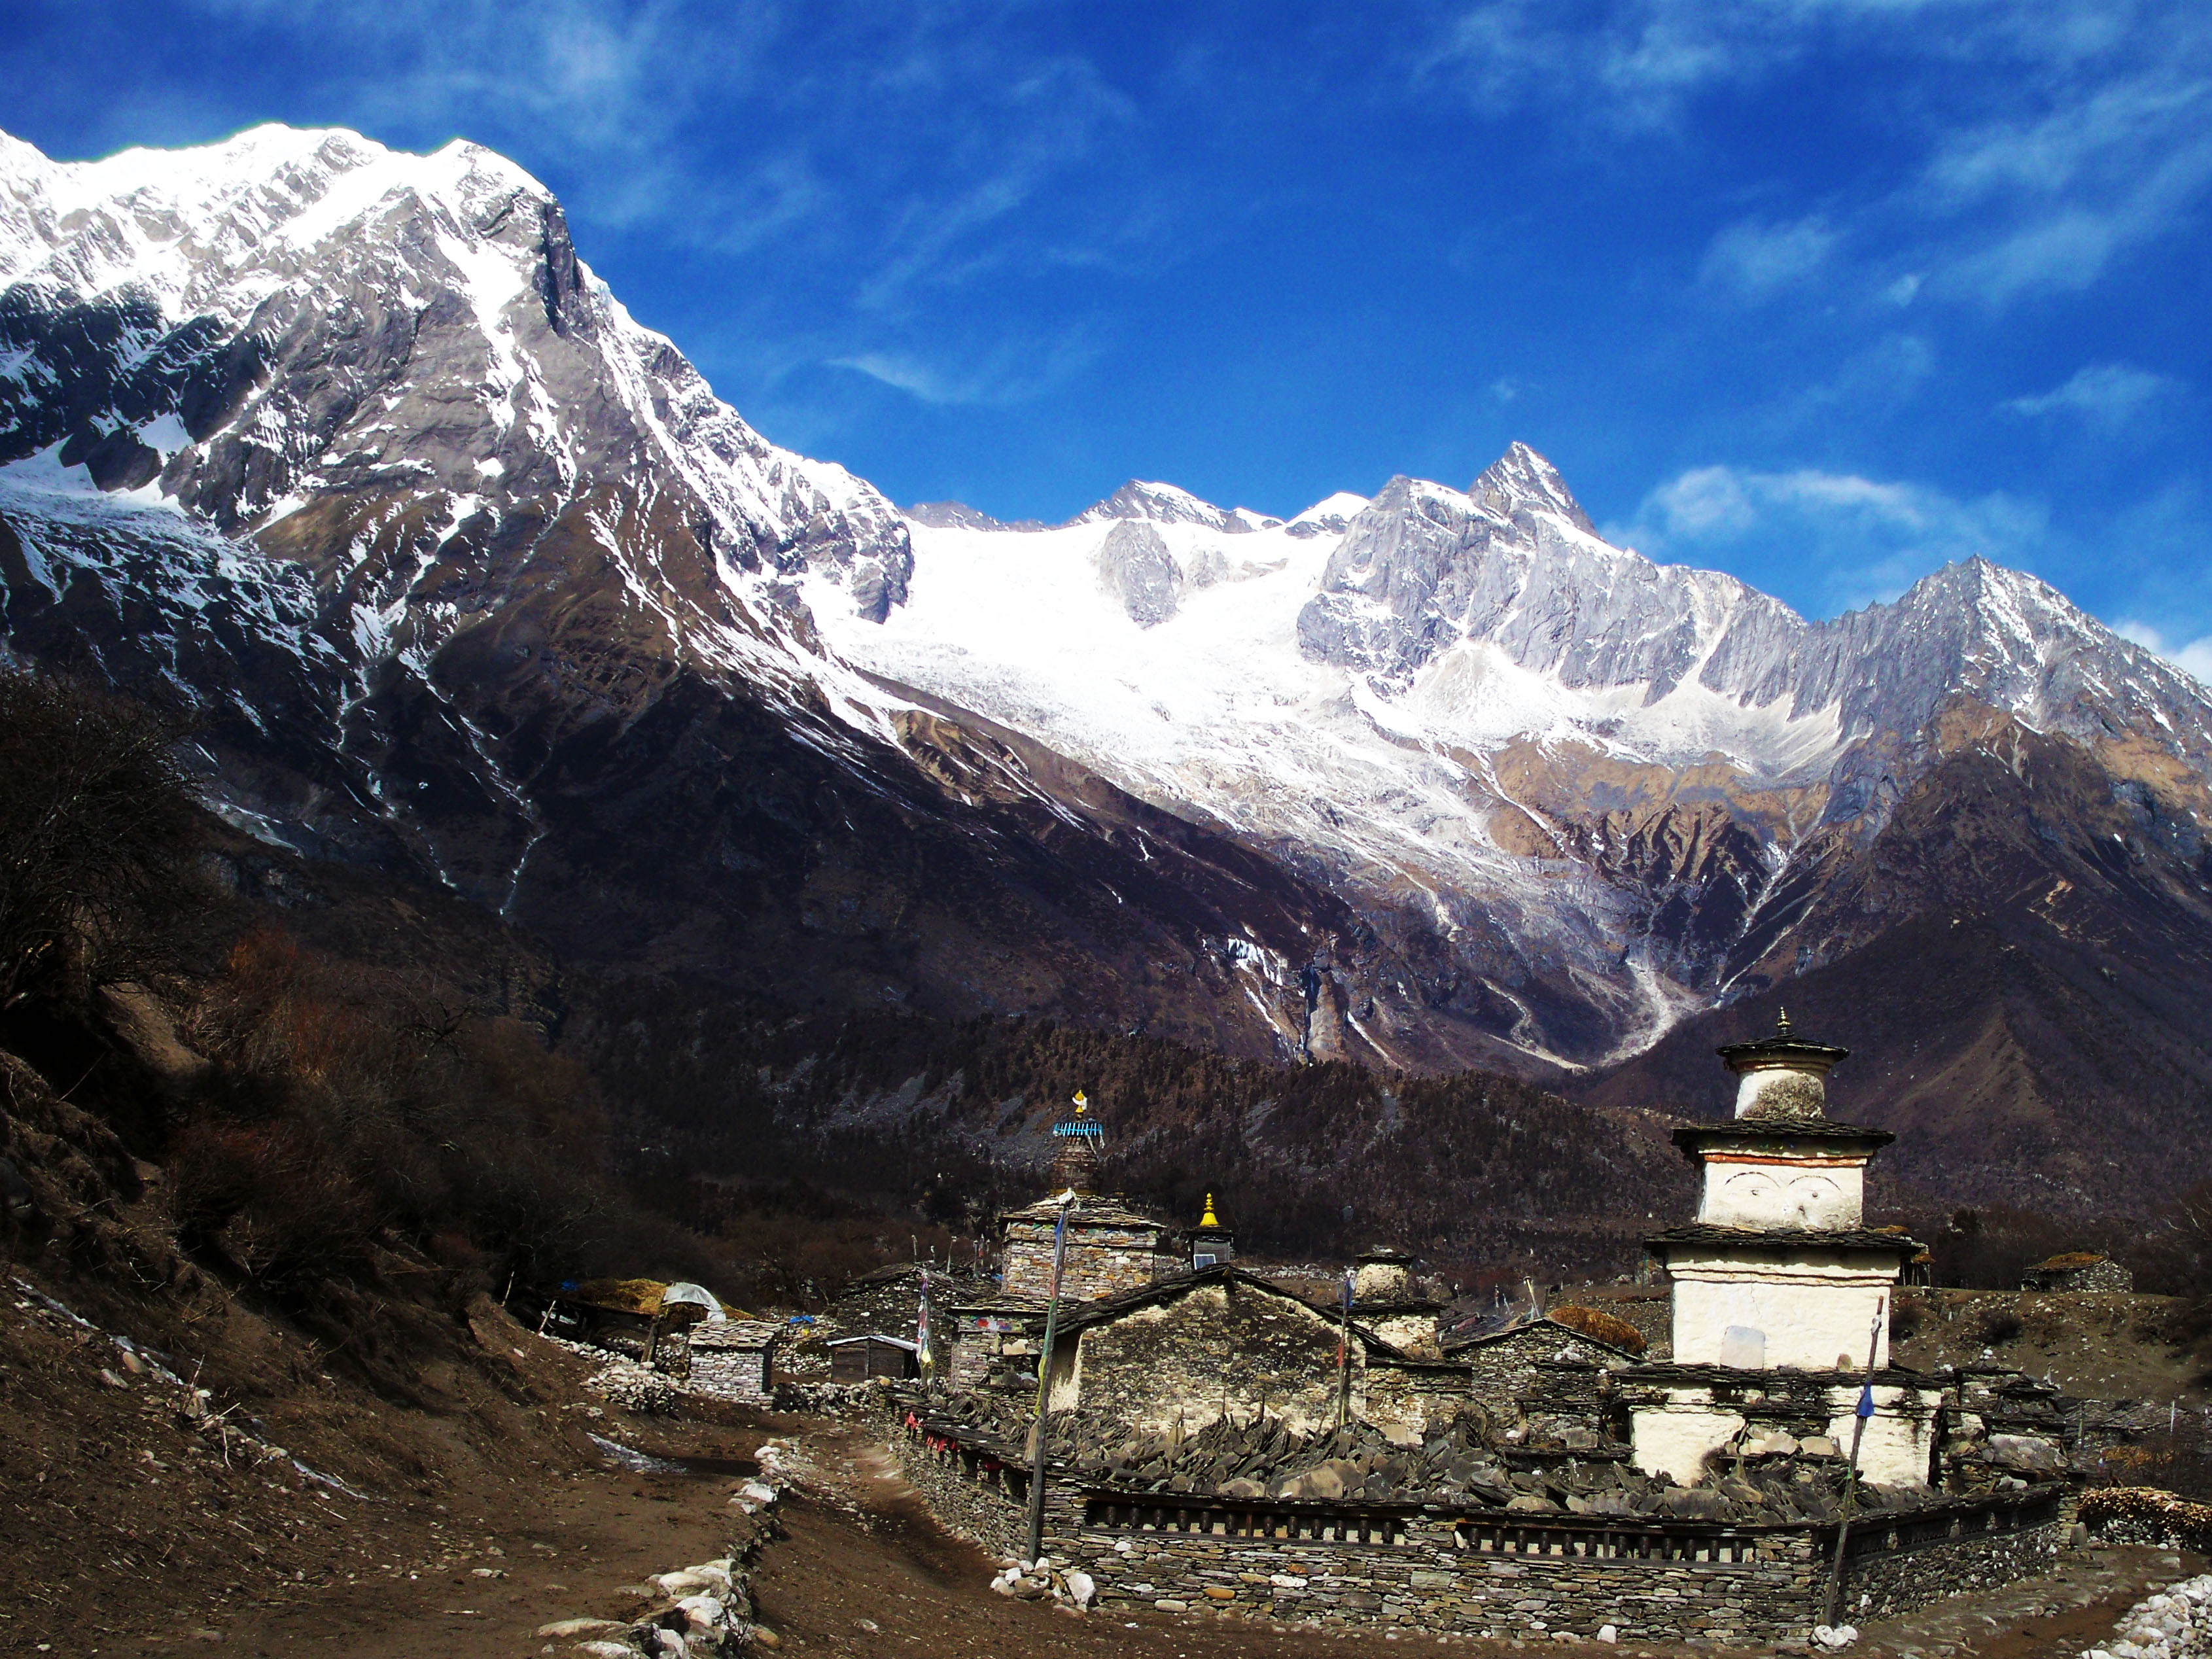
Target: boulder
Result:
[2025, 1451]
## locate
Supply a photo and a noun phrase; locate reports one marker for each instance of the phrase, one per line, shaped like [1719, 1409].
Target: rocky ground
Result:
[2100, 1346]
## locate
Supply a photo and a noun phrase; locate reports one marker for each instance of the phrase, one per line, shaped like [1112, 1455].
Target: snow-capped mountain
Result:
[477, 576]
[268, 331]
[1583, 776]
[393, 371]
[470, 574]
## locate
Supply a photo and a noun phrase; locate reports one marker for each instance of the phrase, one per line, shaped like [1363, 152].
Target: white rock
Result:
[1607, 1634]
[1081, 1588]
[703, 1613]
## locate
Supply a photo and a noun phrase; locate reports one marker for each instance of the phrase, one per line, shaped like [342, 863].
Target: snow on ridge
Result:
[182, 225]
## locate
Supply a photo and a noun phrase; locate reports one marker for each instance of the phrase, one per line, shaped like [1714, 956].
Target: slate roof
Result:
[1787, 1239]
[1745, 1130]
[1107, 1309]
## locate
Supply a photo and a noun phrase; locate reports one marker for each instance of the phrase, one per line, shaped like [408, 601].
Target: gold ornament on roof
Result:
[1209, 1220]
[1782, 1022]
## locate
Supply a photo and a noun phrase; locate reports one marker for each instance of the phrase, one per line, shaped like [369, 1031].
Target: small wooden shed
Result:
[857, 1358]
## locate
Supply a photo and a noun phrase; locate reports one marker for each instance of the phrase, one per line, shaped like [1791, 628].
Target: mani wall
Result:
[1486, 1572]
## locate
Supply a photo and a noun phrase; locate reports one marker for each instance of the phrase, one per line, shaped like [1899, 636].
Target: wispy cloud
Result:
[1754, 261]
[2049, 199]
[2090, 135]
[1008, 373]
[1869, 540]
[1633, 64]
[2109, 395]
[2192, 656]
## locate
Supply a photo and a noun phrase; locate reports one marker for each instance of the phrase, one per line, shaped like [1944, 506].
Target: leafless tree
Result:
[97, 830]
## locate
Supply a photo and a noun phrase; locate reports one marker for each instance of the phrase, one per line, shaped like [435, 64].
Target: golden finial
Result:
[1209, 1220]
[1082, 1102]
[1782, 1022]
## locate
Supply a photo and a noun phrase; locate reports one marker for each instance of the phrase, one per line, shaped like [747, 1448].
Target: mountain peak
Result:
[1164, 503]
[1522, 477]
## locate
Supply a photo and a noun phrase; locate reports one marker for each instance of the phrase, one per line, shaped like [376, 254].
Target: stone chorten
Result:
[1779, 1271]
[1110, 1250]
[1212, 1244]
[1076, 1165]
[1385, 1299]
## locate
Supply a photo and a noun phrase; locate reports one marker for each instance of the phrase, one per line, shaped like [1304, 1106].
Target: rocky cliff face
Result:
[470, 571]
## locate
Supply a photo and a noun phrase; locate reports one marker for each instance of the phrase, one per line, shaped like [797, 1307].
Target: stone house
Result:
[1183, 1352]
[1111, 1249]
[2078, 1270]
[734, 1359]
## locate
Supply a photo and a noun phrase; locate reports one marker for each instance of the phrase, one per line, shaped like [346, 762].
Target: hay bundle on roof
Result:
[1599, 1327]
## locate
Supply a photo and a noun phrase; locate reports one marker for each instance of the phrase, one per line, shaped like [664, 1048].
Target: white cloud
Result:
[2090, 133]
[2105, 394]
[1858, 539]
[2048, 200]
[1755, 261]
[2192, 657]
[1007, 373]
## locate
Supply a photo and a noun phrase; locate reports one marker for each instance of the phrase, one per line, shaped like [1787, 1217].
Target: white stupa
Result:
[1781, 1292]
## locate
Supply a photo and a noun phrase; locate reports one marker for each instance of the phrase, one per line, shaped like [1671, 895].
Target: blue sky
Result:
[1822, 292]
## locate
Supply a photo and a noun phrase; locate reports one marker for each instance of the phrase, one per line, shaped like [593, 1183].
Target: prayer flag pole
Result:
[1862, 1411]
[1045, 1379]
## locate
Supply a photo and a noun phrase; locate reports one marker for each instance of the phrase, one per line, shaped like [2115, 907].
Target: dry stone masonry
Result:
[1215, 1442]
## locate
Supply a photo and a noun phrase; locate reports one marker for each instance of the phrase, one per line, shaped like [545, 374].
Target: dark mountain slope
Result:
[2017, 961]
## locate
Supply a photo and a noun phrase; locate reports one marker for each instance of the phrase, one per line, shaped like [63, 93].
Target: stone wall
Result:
[995, 1350]
[2103, 1274]
[1415, 1567]
[1426, 1582]
[2147, 1515]
[975, 1495]
[731, 1360]
[1101, 1260]
[1219, 1347]
[1504, 1371]
[1894, 1564]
